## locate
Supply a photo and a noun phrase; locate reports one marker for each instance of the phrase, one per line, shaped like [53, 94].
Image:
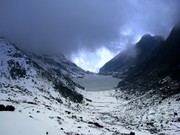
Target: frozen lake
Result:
[97, 82]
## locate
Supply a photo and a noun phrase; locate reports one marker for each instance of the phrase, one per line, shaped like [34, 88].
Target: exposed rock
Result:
[159, 72]
[126, 60]
[7, 108]
[2, 107]
[10, 108]
[96, 124]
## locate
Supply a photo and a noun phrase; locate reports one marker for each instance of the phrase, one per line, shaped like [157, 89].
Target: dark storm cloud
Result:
[67, 25]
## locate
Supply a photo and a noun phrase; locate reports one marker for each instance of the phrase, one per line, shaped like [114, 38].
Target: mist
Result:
[83, 26]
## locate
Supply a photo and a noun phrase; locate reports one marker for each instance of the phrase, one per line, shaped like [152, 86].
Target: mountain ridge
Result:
[160, 71]
[132, 56]
[17, 69]
[58, 64]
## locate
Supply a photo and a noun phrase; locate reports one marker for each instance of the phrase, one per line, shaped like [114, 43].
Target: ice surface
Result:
[97, 82]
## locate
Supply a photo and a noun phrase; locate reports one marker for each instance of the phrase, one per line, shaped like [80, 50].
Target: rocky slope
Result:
[58, 65]
[18, 72]
[154, 85]
[161, 71]
[133, 56]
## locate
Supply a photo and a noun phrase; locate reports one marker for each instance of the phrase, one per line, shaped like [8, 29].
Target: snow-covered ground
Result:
[59, 119]
[115, 115]
[39, 112]
[96, 82]
[143, 115]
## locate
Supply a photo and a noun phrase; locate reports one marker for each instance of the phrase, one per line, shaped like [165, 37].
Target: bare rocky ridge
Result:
[160, 71]
[126, 60]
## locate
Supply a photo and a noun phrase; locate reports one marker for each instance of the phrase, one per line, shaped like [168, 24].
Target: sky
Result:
[88, 32]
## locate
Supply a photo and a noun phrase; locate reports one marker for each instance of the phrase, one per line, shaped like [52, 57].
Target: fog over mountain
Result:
[83, 28]
[52, 78]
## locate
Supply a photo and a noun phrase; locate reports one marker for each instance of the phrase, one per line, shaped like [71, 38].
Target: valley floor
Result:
[101, 113]
[96, 82]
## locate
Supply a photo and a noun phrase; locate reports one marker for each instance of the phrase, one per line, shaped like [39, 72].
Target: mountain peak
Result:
[123, 62]
[148, 43]
[177, 26]
[173, 38]
[146, 36]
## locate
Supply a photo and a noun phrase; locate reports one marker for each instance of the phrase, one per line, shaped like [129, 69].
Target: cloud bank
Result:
[69, 26]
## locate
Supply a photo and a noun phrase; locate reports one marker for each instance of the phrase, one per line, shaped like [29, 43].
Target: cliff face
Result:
[161, 71]
[132, 56]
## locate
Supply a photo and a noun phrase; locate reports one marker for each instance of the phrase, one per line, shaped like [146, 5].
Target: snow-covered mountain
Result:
[44, 103]
[126, 60]
[58, 65]
[20, 73]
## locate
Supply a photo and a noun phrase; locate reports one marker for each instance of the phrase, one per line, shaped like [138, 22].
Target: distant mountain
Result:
[19, 72]
[133, 56]
[161, 71]
[58, 65]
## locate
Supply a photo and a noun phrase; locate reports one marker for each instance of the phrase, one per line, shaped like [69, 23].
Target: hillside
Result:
[160, 71]
[58, 64]
[126, 60]
[20, 72]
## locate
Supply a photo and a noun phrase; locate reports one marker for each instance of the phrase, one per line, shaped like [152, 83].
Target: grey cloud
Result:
[67, 26]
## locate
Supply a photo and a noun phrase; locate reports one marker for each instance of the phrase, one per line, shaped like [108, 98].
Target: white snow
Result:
[37, 110]
[15, 123]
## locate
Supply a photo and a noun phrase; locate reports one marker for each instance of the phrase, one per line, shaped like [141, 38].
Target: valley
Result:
[47, 94]
[48, 115]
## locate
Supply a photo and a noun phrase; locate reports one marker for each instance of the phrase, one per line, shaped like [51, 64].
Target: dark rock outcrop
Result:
[7, 108]
[160, 71]
[96, 124]
[131, 57]
[2, 108]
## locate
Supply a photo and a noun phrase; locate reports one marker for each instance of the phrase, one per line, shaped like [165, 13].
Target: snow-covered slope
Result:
[19, 73]
[58, 65]
[148, 113]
